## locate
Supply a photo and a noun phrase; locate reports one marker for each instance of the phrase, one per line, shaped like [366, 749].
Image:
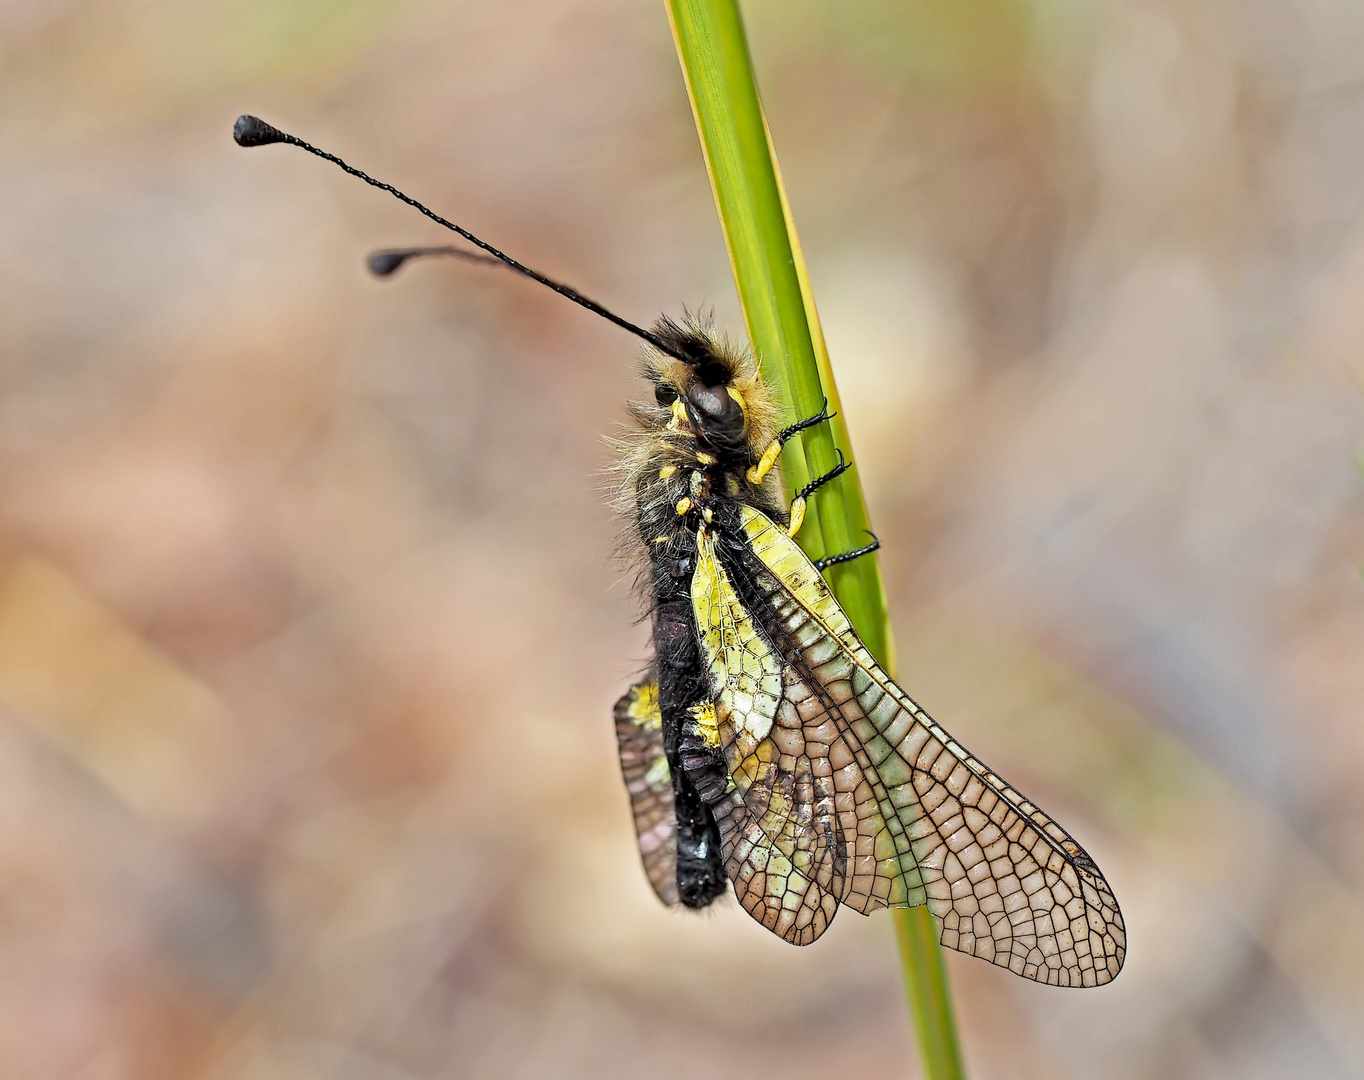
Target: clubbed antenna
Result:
[383, 263]
[251, 131]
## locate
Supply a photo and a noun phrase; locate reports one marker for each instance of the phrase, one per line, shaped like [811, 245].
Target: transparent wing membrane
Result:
[845, 791]
[639, 732]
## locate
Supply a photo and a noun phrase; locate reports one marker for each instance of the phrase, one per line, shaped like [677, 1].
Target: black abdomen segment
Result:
[681, 684]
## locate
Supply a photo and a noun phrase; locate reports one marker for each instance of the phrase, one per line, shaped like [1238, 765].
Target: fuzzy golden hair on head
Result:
[649, 443]
[713, 360]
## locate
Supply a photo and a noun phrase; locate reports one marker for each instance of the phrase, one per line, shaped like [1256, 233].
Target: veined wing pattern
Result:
[639, 733]
[845, 791]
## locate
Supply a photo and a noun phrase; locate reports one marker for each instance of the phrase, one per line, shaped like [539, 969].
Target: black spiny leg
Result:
[848, 556]
[769, 458]
[810, 421]
[819, 481]
[798, 503]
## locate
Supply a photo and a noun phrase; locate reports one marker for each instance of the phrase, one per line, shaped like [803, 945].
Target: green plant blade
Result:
[930, 999]
[856, 584]
[715, 62]
[783, 326]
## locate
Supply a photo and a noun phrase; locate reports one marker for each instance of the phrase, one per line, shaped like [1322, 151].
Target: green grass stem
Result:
[783, 326]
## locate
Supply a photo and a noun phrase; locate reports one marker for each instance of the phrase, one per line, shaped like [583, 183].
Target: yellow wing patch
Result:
[783, 863]
[847, 791]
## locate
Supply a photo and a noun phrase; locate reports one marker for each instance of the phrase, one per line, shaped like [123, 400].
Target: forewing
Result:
[639, 732]
[919, 819]
[778, 828]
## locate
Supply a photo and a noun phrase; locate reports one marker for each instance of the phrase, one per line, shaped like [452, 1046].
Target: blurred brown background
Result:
[309, 625]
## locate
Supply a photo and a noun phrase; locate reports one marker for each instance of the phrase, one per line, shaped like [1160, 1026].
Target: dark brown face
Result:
[715, 411]
[716, 415]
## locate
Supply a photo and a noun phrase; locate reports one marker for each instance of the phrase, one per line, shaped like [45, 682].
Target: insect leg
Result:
[759, 471]
[848, 556]
[808, 422]
[803, 495]
[819, 481]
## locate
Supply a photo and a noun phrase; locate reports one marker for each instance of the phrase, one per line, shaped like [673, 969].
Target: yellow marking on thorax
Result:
[706, 459]
[667, 472]
[706, 723]
[643, 708]
[679, 416]
[683, 506]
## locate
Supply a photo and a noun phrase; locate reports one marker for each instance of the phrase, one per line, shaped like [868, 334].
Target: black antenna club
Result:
[252, 131]
[383, 263]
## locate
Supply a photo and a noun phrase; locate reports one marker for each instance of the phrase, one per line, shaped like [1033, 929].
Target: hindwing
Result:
[639, 733]
[845, 791]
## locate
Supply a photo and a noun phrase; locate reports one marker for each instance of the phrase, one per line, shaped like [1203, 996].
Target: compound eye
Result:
[665, 394]
[717, 406]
